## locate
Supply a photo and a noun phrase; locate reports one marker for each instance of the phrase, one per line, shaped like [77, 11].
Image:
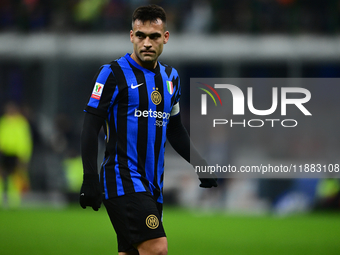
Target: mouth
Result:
[147, 52]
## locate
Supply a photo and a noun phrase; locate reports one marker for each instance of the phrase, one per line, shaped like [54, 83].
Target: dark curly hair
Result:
[149, 13]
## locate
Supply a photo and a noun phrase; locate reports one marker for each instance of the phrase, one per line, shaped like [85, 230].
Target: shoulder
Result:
[104, 72]
[111, 67]
[106, 75]
[105, 68]
[170, 71]
[108, 66]
[119, 65]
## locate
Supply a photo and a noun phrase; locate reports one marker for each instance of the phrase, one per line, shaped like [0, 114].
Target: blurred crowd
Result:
[186, 16]
[31, 161]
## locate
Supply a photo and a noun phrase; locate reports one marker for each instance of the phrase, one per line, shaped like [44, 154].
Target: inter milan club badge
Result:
[156, 97]
[152, 221]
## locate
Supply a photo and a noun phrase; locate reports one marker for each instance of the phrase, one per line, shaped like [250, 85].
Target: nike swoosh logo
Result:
[136, 86]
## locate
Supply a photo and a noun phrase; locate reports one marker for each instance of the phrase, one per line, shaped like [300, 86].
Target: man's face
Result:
[148, 39]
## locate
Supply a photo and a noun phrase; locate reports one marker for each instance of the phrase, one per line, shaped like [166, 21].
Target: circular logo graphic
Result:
[156, 97]
[152, 221]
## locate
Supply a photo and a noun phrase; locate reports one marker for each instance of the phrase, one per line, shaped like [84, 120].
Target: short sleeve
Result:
[104, 91]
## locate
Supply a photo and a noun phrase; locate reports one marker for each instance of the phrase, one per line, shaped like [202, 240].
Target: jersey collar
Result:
[135, 64]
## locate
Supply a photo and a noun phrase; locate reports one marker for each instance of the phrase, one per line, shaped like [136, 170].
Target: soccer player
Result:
[136, 100]
[15, 153]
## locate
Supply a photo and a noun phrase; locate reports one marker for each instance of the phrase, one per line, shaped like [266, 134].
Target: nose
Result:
[147, 43]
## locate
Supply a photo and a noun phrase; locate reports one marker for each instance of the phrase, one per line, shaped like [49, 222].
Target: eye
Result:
[140, 35]
[154, 36]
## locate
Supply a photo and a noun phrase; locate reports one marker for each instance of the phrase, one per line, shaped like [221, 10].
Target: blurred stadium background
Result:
[50, 50]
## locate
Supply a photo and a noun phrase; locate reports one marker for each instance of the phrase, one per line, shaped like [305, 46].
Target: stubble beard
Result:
[147, 59]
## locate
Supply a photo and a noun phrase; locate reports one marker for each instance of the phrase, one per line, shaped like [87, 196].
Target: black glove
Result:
[208, 182]
[90, 192]
[208, 179]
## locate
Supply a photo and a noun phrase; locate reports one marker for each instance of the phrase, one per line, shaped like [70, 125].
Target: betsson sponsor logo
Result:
[152, 114]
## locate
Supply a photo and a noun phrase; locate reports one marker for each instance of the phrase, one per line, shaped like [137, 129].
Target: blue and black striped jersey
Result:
[137, 104]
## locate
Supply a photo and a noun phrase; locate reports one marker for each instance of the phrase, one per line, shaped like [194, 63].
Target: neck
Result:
[146, 65]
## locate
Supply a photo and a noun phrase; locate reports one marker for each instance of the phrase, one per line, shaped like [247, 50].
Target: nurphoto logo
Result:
[238, 107]
[204, 97]
[263, 127]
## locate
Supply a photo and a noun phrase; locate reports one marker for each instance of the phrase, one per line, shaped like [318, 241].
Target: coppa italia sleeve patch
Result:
[97, 90]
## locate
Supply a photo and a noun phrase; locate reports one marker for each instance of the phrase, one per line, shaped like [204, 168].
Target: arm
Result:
[179, 139]
[90, 193]
[104, 85]
[89, 142]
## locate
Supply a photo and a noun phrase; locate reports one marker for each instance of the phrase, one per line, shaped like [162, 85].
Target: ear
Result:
[166, 37]
[131, 36]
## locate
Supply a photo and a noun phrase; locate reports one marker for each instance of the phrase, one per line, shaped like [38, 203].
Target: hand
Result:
[90, 192]
[208, 182]
[208, 179]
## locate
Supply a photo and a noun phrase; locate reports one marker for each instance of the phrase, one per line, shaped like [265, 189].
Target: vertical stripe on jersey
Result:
[158, 138]
[123, 175]
[132, 124]
[142, 136]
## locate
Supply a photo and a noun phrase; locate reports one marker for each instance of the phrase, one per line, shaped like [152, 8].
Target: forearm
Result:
[179, 139]
[89, 142]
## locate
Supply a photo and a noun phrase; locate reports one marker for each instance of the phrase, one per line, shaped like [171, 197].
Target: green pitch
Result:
[76, 231]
